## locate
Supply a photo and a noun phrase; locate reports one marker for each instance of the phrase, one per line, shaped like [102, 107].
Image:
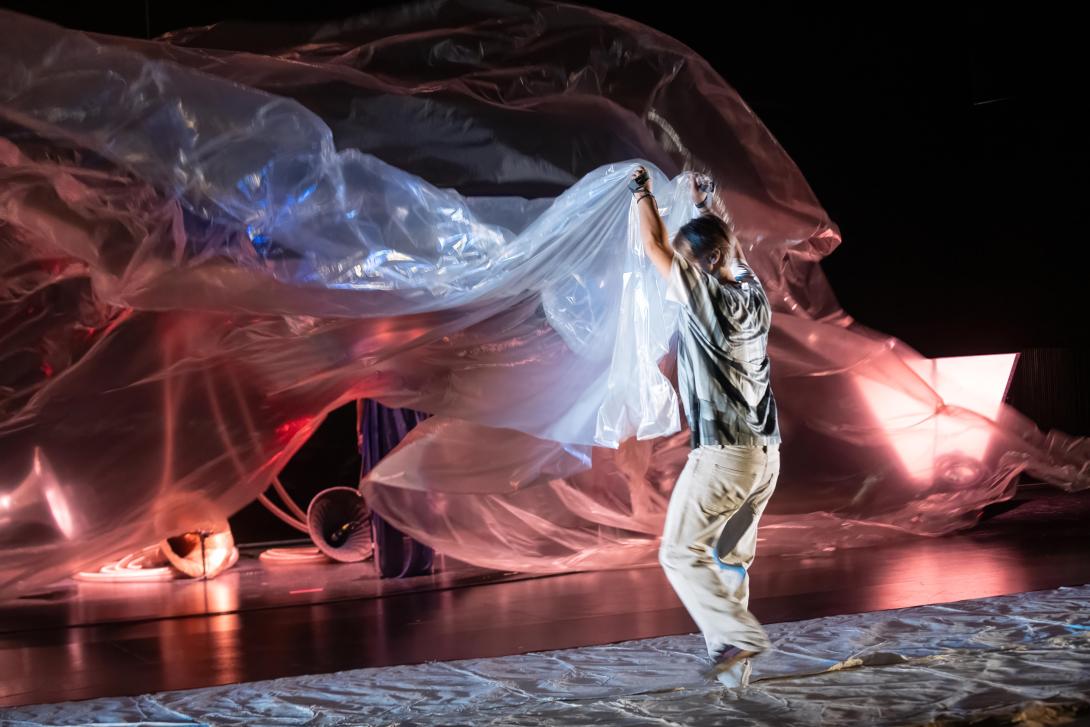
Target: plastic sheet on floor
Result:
[1020, 659]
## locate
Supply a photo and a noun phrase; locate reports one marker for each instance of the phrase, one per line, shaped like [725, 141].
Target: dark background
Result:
[948, 143]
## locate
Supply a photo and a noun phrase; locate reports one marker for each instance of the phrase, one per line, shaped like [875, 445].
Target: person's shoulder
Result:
[742, 269]
[745, 275]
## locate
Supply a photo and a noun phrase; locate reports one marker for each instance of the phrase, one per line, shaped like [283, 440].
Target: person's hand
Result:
[640, 181]
[701, 186]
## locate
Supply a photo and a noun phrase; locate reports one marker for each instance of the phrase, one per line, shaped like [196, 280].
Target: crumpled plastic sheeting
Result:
[211, 240]
[1004, 657]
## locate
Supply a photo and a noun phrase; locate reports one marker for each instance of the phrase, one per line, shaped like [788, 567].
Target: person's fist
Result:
[702, 187]
[640, 180]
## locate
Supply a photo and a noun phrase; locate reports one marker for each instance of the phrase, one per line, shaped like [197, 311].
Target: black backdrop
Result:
[948, 144]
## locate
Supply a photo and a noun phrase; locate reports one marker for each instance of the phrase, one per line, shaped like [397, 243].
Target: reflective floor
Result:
[259, 623]
[1020, 659]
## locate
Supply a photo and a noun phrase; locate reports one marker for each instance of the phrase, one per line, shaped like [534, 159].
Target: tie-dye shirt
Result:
[723, 366]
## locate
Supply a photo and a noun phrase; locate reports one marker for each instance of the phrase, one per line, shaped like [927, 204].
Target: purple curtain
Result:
[380, 429]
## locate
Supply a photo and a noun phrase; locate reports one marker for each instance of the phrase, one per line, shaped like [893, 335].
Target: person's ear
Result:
[715, 258]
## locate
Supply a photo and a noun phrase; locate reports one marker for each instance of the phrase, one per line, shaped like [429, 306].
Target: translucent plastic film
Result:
[212, 239]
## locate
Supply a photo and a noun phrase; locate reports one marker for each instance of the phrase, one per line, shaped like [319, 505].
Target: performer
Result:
[710, 534]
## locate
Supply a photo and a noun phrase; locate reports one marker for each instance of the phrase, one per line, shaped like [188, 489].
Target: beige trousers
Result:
[710, 539]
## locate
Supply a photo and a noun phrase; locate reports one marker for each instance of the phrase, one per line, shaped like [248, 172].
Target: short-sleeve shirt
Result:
[723, 369]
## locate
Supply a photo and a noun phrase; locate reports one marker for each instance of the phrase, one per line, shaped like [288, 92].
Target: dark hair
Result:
[706, 234]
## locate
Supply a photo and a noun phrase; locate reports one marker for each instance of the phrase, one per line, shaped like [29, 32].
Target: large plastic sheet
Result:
[212, 239]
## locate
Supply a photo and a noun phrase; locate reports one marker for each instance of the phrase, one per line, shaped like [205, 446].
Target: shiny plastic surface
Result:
[212, 239]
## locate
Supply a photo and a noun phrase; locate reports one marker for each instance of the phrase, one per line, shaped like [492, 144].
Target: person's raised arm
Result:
[652, 228]
[702, 187]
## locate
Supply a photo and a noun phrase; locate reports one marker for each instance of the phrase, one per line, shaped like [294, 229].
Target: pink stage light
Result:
[928, 443]
[40, 499]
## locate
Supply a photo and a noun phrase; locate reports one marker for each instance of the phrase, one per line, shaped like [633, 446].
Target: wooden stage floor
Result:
[264, 622]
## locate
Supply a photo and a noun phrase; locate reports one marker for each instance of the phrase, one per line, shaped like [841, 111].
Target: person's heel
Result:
[726, 658]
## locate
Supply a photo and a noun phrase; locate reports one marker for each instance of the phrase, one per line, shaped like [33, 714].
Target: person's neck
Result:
[725, 273]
